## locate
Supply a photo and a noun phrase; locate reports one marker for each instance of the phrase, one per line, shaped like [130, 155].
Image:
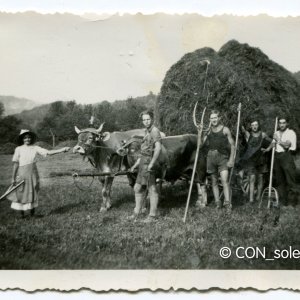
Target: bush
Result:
[7, 148]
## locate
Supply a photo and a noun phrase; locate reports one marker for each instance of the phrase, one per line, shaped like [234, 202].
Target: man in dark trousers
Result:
[285, 141]
[150, 150]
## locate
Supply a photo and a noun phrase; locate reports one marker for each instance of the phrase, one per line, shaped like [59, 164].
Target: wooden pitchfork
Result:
[199, 143]
[269, 195]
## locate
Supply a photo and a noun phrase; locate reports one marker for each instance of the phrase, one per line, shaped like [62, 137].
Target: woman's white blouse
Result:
[26, 154]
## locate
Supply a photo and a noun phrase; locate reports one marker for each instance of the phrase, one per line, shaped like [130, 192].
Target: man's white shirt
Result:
[287, 135]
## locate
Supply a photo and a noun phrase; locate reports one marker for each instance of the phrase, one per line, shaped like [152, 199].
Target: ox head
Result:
[131, 148]
[88, 138]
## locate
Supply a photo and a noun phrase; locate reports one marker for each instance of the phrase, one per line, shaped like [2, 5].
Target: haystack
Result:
[237, 73]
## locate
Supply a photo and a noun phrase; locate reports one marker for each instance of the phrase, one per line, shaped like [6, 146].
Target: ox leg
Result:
[202, 195]
[106, 191]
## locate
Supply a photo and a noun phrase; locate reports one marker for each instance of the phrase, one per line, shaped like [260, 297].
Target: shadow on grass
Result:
[120, 200]
[66, 208]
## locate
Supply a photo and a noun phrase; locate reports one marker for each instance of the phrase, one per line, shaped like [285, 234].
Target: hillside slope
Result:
[14, 105]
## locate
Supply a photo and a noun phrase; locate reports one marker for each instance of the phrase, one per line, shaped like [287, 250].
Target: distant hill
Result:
[31, 117]
[297, 75]
[14, 105]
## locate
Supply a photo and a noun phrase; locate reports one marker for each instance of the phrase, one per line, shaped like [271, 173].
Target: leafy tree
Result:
[9, 129]
[1, 110]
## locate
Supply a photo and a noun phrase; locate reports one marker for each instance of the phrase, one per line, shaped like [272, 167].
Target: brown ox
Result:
[176, 160]
[101, 150]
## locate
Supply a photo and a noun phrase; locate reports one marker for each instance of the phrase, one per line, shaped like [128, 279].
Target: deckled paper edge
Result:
[120, 280]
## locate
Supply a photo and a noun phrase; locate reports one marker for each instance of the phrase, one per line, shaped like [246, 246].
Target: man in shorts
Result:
[146, 163]
[220, 157]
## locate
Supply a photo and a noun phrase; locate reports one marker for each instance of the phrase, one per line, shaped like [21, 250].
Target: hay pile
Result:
[237, 73]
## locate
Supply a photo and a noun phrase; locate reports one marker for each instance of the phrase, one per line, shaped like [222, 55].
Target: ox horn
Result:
[77, 129]
[100, 127]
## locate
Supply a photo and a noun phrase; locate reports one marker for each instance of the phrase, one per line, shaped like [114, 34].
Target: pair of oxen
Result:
[118, 151]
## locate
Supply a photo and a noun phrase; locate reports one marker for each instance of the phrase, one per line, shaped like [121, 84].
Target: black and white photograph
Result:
[149, 142]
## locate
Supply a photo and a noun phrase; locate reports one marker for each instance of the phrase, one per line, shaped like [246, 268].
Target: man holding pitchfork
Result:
[220, 157]
[285, 143]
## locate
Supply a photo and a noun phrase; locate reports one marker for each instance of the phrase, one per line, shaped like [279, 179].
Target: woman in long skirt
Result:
[25, 197]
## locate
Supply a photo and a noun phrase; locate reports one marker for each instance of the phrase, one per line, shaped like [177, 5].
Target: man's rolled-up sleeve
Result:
[293, 140]
[156, 136]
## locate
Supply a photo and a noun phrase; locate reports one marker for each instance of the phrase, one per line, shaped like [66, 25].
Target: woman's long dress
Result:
[26, 196]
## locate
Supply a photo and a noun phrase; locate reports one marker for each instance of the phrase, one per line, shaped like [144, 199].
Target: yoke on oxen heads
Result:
[133, 145]
[88, 137]
[130, 147]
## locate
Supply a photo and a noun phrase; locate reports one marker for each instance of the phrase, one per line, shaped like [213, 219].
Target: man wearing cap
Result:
[285, 142]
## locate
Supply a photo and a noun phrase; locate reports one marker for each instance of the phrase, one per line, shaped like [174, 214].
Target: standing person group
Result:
[25, 198]
[220, 151]
[220, 158]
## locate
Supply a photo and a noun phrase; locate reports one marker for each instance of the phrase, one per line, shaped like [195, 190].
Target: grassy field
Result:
[70, 233]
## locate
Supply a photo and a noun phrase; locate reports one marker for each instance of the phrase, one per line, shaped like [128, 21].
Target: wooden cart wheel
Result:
[245, 185]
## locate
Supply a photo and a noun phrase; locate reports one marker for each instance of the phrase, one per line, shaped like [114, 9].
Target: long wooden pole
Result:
[199, 137]
[272, 166]
[235, 148]
[236, 139]
[75, 174]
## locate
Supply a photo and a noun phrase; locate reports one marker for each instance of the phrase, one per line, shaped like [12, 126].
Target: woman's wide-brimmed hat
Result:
[23, 132]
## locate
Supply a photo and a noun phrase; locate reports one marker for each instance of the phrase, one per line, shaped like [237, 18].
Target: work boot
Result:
[218, 204]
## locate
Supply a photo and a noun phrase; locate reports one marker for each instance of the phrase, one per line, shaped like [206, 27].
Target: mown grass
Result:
[70, 233]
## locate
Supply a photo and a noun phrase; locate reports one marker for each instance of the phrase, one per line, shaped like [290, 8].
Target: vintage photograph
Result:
[149, 142]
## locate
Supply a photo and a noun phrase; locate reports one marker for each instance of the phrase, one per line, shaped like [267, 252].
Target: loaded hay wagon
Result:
[237, 73]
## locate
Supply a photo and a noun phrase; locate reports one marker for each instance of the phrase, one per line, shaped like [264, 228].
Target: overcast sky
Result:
[90, 58]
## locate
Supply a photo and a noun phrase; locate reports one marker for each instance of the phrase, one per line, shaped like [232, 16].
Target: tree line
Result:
[56, 122]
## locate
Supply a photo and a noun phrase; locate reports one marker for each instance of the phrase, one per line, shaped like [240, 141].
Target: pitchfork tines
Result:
[199, 125]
